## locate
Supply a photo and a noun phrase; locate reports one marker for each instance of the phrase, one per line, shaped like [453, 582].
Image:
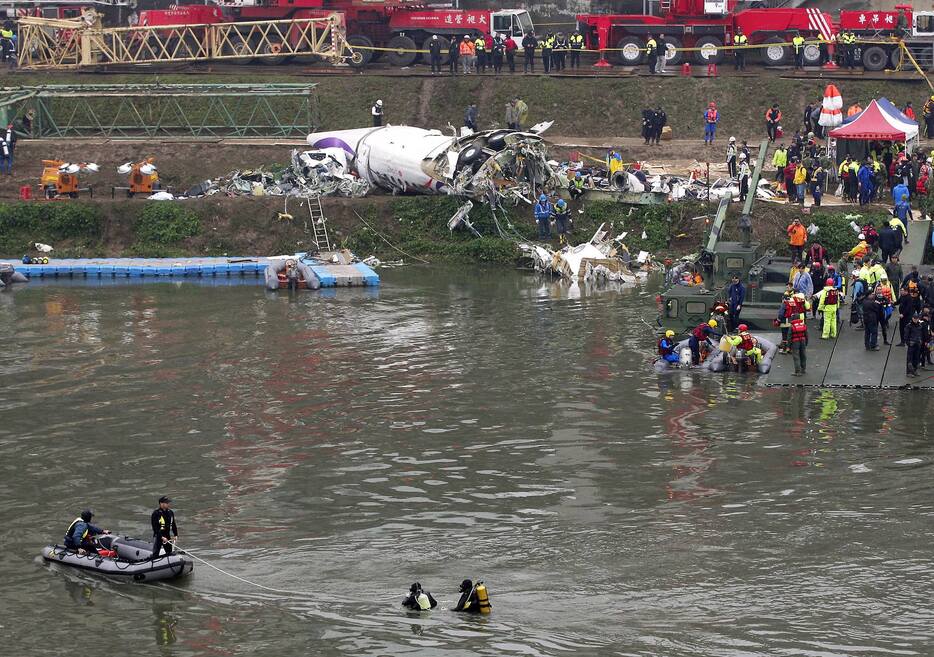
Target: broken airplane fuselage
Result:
[490, 166]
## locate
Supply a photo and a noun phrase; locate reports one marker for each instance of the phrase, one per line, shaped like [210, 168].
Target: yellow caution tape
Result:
[750, 46]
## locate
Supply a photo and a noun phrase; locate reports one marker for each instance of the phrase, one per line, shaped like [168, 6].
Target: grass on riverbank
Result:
[415, 225]
[585, 107]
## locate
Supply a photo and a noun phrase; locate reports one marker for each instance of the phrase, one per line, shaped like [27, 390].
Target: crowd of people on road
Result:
[493, 53]
[876, 286]
[804, 167]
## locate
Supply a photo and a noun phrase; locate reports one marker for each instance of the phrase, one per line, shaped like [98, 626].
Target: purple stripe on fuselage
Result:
[333, 142]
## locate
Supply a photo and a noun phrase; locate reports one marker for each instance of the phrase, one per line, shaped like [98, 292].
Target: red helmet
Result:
[829, 281]
[742, 327]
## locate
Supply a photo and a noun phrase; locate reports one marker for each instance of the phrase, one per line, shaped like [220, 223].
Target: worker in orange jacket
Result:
[468, 53]
[797, 238]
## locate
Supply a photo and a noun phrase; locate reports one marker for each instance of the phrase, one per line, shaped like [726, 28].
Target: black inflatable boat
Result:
[124, 558]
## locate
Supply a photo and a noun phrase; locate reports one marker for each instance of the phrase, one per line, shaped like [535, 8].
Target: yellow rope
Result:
[751, 46]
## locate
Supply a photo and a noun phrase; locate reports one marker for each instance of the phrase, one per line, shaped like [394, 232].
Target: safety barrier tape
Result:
[751, 46]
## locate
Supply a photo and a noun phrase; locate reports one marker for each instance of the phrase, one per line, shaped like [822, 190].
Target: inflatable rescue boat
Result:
[124, 558]
[717, 359]
[9, 275]
[277, 276]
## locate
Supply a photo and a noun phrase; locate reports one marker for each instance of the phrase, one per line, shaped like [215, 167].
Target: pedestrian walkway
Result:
[844, 362]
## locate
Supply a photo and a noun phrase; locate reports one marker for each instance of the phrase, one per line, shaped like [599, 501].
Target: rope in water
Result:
[243, 579]
[382, 237]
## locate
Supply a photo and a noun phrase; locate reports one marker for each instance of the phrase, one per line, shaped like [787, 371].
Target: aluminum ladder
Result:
[319, 224]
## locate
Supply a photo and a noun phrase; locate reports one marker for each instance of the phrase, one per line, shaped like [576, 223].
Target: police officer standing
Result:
[577, 45]
[529, 44]
[797, 42]
[560, 52]
[547, 44]
[739, 55]
[651, 55]
[480, 50]
[163, 527]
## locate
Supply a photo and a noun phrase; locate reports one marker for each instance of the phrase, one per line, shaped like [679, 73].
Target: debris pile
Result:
[618, 181]
[320, 172]
[602, 258]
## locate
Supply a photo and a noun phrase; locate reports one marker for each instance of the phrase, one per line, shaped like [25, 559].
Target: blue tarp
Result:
[886, 106]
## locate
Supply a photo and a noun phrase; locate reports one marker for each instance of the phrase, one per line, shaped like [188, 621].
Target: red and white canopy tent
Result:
[874, 124]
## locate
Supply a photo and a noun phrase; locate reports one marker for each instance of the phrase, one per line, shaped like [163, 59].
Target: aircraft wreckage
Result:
[495, 167]
[492, 166]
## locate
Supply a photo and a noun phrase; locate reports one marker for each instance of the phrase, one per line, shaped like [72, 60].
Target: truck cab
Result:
[514, 22]
[923, 24]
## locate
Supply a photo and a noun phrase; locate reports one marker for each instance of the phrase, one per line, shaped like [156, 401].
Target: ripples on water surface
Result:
[461, 423]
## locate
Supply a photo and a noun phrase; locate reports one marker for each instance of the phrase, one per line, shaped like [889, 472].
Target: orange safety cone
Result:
[25, 193]
[712, 70]
[686, 69]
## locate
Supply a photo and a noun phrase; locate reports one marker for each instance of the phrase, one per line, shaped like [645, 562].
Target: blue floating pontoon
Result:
[331, 275]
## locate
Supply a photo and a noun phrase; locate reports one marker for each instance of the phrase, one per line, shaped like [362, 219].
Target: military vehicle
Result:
[682, 307]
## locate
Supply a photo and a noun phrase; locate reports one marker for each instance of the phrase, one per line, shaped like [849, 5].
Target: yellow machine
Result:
[143, 176]
[60, 178]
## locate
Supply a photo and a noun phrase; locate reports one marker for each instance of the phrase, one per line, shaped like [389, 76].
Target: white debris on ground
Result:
[319, 172]
[642, 177]
[602, 258]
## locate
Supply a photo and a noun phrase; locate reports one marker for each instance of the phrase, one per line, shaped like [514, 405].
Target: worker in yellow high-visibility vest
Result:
[797, 42]
[739, 55]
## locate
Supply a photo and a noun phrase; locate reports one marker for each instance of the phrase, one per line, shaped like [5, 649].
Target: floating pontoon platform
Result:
[844, 362]
[330, 275]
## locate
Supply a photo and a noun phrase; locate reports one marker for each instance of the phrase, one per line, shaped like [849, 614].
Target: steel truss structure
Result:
[79, 43]
[148, 111]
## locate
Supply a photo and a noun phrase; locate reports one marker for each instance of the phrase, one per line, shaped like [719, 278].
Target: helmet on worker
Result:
[712, 323]
[742, 328]
[829, 282]
[669, 333]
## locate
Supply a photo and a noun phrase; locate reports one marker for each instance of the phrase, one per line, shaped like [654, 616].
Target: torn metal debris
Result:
[323, 172]
[602, 258]
[492, 166]
[636, 184]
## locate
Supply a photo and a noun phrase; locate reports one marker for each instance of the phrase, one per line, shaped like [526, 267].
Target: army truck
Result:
[682, 307]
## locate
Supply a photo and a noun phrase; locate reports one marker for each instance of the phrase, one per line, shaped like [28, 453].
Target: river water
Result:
[455, 424]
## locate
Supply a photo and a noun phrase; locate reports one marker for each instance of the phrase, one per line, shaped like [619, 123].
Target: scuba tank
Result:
[423, 603]
[483, 599]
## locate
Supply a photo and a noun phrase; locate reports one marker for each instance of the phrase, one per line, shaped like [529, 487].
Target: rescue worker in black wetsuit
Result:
[468, 601]
[419, 599]
[163, 527]
[80, 533]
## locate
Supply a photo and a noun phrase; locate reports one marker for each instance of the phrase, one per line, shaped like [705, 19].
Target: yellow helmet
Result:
[712, 323]
[669, 333]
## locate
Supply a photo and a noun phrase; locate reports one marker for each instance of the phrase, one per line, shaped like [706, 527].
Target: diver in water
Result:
[419, 599]
[474, 599]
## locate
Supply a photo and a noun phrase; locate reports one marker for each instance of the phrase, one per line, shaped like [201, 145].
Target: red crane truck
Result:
[402, 26]
[914, 28]
[707, 25]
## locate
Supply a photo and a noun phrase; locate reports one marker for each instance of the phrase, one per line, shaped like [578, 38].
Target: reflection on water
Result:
[455, 423]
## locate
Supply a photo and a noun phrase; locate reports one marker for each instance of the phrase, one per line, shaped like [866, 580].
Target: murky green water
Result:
[458, 423]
